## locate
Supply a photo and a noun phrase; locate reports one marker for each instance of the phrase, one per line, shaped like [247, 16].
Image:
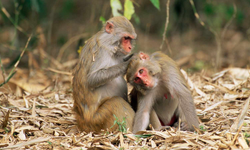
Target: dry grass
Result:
[44, 120]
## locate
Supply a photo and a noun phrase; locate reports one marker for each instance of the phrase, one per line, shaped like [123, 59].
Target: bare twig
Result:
[198, 18]
[34, 141]
[11, 20]
[3, 72]
[217, 38]
[66, 45]
[51, 21]
[6, 118]
[166, 24]
[218, 54]
[60, 72]
[13, 71]
[229, 22]
[237, 134]
[239, 120]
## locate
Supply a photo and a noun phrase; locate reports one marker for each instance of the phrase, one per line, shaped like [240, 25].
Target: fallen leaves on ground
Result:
[39, 116]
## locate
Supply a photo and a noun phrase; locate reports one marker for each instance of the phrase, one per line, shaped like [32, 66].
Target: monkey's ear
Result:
[109, 27]
[143, 56]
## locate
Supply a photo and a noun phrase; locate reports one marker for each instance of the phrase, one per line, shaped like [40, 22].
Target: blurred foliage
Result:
[156, 3]
[117, 6]
[67, 9]
[214, 13]
[34, 6]
[217, 15]
[102, 19]
[128, 9]
[198, 65]
[60, 20]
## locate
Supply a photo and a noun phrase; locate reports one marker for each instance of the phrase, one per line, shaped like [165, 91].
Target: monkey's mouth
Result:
[146, 84]
[127, 44]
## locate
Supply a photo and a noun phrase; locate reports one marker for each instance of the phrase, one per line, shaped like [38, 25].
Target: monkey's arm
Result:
[102, 76]
[186, 109]
[142, 115]
[175, 82]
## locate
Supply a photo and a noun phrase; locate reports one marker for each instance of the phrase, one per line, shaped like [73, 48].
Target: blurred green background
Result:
[60, 27]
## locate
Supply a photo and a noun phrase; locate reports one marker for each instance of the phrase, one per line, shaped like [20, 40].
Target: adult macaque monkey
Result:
[99, 89]
[160, 90]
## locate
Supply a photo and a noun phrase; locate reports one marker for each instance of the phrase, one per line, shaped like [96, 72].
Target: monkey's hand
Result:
[128, 57]
[104, 75]
[184, 126]
[162, 128]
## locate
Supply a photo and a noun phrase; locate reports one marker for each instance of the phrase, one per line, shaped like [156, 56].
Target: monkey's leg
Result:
[183, 125]
[104, 116]
[116, 106]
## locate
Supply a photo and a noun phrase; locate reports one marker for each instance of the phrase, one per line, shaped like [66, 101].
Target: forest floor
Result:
[36, 113]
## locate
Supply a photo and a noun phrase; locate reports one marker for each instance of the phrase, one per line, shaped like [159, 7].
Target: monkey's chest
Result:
[115, 87]
[165, 107]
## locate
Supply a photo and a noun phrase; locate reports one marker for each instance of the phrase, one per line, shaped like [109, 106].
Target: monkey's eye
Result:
[127, 38]
[141, 71]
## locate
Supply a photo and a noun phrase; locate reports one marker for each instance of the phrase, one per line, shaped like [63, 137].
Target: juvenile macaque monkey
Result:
[160, 90]
[99, 89]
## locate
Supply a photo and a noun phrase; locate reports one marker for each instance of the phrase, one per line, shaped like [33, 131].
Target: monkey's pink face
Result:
[126, 44]
[142, 77]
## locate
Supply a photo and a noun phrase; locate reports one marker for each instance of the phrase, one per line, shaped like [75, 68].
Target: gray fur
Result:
[168, 80]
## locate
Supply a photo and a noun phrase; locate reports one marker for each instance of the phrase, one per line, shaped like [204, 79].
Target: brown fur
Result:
[99, 89]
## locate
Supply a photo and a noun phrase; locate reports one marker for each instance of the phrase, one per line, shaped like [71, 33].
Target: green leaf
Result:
[102, 19]
[129, 9]
[143, 136]
[116, 5]
[156, 3]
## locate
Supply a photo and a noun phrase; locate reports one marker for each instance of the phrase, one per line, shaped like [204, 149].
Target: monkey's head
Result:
[121, 33]
[143, 73]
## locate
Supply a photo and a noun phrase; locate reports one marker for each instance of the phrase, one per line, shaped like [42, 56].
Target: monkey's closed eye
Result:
[127, 38]
[141, 71]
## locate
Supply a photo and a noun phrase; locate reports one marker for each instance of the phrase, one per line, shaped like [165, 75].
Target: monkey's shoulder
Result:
[162, 57]
[164, 60]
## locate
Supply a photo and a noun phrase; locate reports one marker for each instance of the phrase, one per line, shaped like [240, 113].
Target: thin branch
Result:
[13, 71]
[11, 20]
[3, 72]
[68, 43]
[229, 22]
[217, 38]
[60, 72]
[198, 18]
[166, 24]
